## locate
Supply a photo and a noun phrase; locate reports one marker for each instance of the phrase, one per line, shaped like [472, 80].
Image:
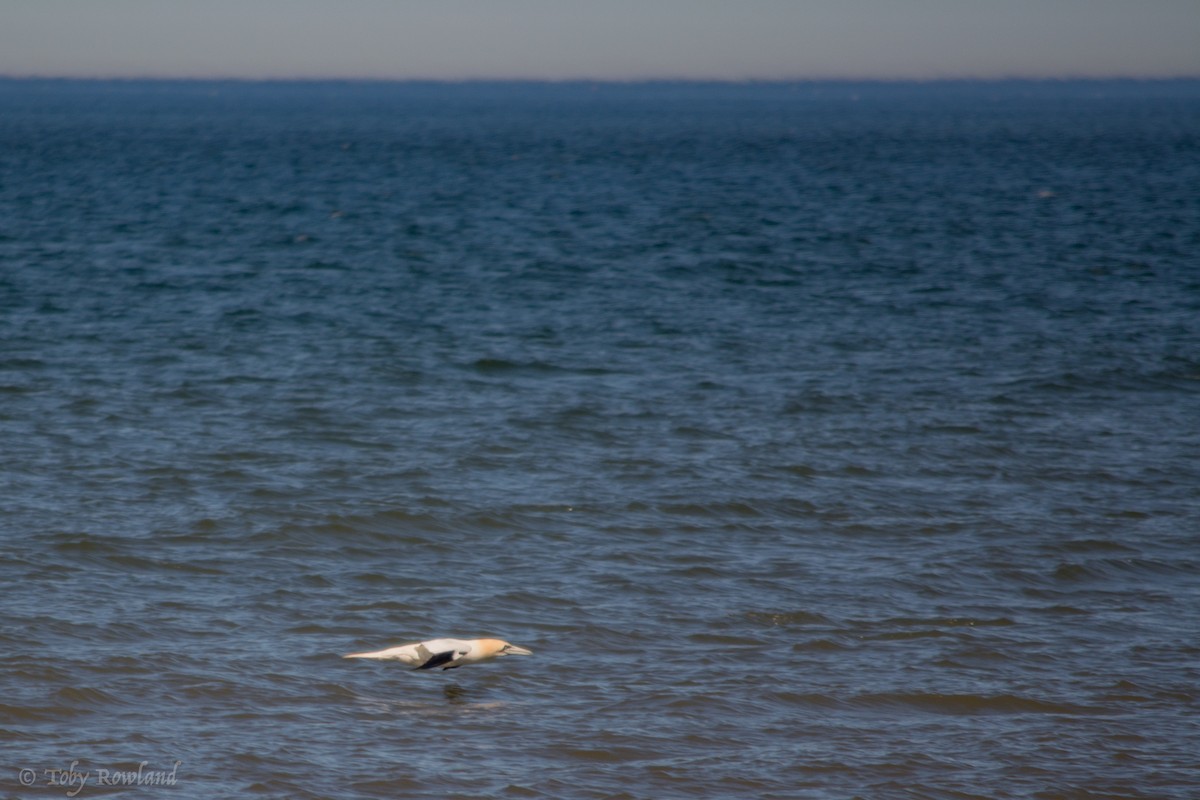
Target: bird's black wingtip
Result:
[438, 659]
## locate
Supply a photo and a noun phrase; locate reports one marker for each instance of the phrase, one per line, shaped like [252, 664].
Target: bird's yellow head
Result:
[498, 647]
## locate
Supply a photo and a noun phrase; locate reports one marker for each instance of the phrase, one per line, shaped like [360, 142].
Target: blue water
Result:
[821, 440]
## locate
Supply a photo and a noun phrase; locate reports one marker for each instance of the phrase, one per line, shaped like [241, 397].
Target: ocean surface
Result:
[821, 440]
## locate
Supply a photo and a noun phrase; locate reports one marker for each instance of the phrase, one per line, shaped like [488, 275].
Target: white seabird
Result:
[445, 653]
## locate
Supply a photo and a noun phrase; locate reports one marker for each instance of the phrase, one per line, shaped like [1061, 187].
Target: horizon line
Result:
[1114, 78]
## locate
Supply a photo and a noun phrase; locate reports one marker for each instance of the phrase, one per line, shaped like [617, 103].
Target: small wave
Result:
[949, 622]
[83, 544]
[958, 430]
[313, 628]
[141, 563]
[381, 605]
[727, 641]
[806, 699]
[607, 755]
[529, 602]
[968, 704]
[786, 619]
[745, 508]
[1093, 546]
[211, 689]
[903, 636]
[815, 402]
[42, 712]
[18, 364]
[503, 366]
[392, 786]
[85, 696]
[1066, 610]
[910, 628]
[819, 646]
[1109, 568]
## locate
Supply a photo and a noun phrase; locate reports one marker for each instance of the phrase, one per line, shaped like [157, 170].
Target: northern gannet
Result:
[445, 653]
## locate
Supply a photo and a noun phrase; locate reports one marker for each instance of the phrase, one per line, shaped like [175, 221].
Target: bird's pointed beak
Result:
[513, 650]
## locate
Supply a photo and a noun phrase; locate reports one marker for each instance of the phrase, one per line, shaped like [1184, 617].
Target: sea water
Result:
[821, 440]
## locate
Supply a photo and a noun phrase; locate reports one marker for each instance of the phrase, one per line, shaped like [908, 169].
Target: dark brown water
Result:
[823, 441]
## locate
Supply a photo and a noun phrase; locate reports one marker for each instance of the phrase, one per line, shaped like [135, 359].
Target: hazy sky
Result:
[603, 39]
